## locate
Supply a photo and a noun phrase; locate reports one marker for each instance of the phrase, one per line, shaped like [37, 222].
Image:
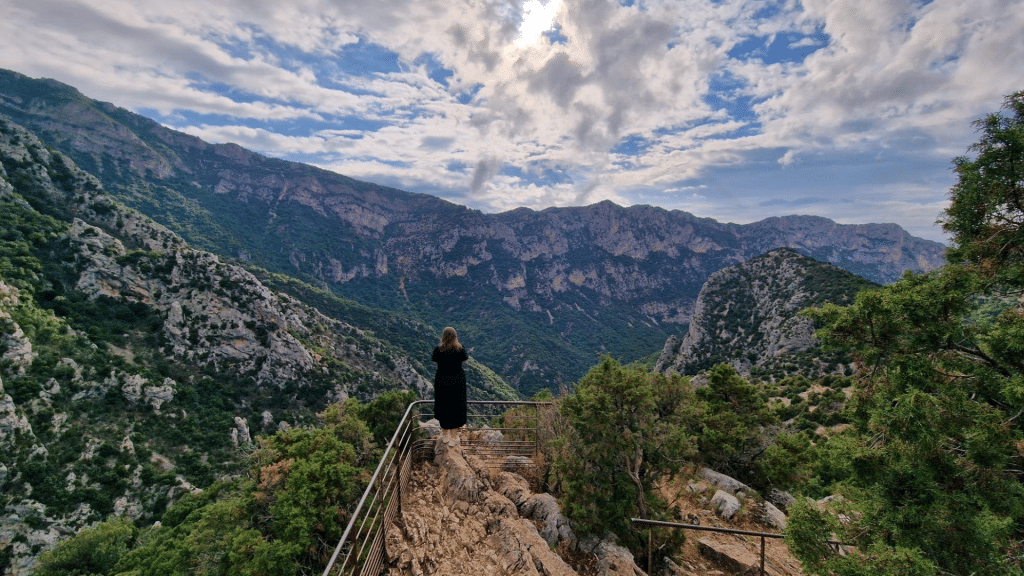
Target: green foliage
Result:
[931, 465]
[931, 470]
[786, 462]
[93, 552]
[383, 413]
[282, 520]
[986, 211]
[26, 239]
[734, 414]
[628, 433]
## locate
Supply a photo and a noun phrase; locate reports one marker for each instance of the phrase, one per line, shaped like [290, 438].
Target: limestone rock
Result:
[11, 420]
[522, 550]
[243, 430]
[16, 347]
[514, 487]
[612, 559]
[780, 498]
[727, 483]
[544, 509]
[748, 314]
[725, 504]
[734, 557]
[459, 481]
[515, 463]
[431, 427]
[772, 516]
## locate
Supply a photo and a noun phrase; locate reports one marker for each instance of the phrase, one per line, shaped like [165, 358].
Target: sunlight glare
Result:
[537, 19]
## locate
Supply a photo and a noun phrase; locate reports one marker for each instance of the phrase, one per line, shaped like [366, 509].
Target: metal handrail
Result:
[652, 523]
[658, 523]
[381, 501]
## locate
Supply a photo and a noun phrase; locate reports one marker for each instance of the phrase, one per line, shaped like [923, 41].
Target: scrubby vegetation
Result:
[920, 446]
[923, 461]
[281, 517]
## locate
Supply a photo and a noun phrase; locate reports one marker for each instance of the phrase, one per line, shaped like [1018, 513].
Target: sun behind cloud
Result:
[538, 18]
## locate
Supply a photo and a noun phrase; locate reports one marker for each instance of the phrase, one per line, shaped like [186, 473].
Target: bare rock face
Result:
[514, 487]
[11, 419]
[522, 550]
[724, 482]
[459, 480]
[725, 504]
[17, 349]
[612, 559]
[747, 314]
[772, 516]
[452, 524]
[463, 515]
[544, 509]
[733, 556]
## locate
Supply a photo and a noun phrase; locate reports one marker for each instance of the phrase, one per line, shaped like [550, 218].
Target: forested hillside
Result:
[748, 315]
[134, 369]
[563, 284]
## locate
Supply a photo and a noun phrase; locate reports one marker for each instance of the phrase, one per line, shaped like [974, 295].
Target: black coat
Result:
[450, 388]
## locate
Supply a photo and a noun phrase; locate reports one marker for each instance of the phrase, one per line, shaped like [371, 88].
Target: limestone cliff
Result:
[747, 315]
[565, 283]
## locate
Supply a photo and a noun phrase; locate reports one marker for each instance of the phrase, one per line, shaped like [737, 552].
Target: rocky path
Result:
[465, 515]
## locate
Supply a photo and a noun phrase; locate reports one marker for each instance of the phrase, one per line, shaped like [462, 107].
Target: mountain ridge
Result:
[564, 284]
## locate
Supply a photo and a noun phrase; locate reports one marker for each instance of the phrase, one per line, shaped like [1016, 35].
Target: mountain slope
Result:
[538, 295]
[134, 368]
[747, 315]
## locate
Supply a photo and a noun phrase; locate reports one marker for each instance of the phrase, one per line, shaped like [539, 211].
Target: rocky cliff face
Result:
[134, 367]
[747, 315]
[564, 283]
[212, 312]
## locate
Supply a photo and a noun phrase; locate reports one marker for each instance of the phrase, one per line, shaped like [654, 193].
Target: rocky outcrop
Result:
[14, 346]
[463, 515]
[214, 313]
[712, 499]
[734, 557]
[748, 315]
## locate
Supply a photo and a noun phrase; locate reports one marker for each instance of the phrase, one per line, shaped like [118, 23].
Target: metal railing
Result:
[657, 523]
[361, 548]
[651, 524]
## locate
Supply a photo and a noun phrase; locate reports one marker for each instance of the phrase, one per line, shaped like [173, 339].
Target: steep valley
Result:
[164, 302]
[539, 295]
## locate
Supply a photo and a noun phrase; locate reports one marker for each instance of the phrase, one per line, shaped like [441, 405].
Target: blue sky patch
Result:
[366, 59]
[467, 97]
[784, 47]
[725, 92]
[537, 174]
[631, 145]
[555, 36]
[435, 70]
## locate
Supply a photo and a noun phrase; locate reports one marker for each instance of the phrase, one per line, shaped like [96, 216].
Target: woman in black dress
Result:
[450, 385]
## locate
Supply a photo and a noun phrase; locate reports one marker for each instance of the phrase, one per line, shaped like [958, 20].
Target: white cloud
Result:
[887, 75]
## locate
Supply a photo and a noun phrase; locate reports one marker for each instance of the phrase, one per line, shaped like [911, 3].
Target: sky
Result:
[735, 110]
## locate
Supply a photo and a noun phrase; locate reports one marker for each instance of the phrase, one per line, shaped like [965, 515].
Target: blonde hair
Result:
[449, 340]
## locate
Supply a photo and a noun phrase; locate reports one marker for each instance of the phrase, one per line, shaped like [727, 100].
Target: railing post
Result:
[536, 430]
[650, 548]
[762, 555]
